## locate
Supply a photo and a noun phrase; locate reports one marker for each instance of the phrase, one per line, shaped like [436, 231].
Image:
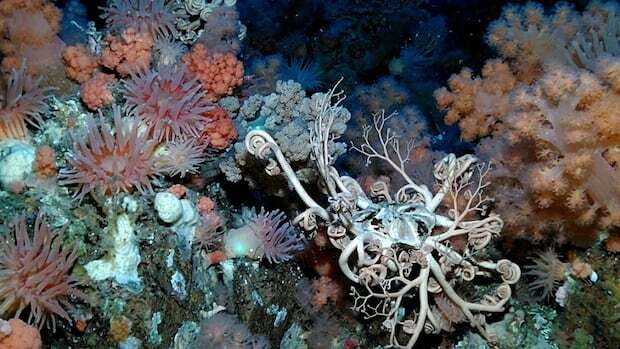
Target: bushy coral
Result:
[547, 120]
[220, 132]
[532, 38]
[22, 101]
[151, 16]
[96, 93]
[168, 101]
[560, 148]
[80, 64]
[34, 273]
[477, 104]
[127, 53]
[28, 34]
[109, 162]
[218, 73]
[45, 162]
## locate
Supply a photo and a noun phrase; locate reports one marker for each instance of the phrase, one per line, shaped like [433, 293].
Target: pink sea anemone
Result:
[34, 274]
[152, 16]
[279, 240]
[168, 102]
[110, 162]
[180, 158]
[21, 101]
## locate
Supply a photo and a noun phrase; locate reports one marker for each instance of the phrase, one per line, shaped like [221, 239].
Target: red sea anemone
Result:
[21, 101]
[34, 273]
[168, 102]
[152, 16]
[111, 162]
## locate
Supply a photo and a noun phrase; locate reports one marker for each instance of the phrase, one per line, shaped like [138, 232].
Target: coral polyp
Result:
[109, 162]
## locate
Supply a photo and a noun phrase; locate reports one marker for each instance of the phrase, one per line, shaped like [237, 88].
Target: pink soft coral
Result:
[95, 93]
[128, 53]
[79, 63]
[220, 131]
[28, 32]
[218, 73]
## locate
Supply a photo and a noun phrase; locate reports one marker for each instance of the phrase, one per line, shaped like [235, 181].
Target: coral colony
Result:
[190, 174]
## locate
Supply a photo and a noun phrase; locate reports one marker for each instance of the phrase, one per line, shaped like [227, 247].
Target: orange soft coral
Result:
[16, 334]
[477, 103]
[220, 131]
[45, 162]
[79, 63]
[219, 74]
[533, 37]
[128, 53]
[96, 92]
[557, 168]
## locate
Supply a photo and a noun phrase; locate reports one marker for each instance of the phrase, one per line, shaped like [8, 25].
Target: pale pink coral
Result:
[533, 37]
[79, 63]
[95, 93]
[218, 73]
[128, 53]
[28, 33]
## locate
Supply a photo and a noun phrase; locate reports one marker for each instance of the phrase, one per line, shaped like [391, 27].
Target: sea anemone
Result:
[267, 234]
[168, 102]
[21, 101]
[180, 158]
[168, 51]
[152, 16]
[307, 74]
[34, 273]
[548, 272]
[110, 162]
